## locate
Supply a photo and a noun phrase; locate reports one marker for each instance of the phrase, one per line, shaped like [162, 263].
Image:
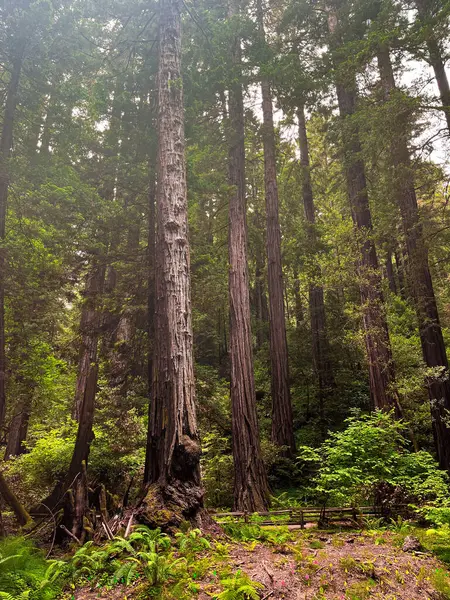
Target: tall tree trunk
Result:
[250, 479]
[381, 368]
[150, 314]
[86, 387]
[320, 345]
[435, 52]
[6, 142]
[18, 428]
[390, 272]
[90, 324]
[298, 304]
[421, 285]
[400, 266]
[175, 448]
[282, 418]
[260, 300]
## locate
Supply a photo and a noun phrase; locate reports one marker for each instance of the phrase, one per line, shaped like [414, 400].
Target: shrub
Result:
[23, 569]
[372, 454]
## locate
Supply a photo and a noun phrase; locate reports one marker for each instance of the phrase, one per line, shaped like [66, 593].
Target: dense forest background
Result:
[332, 121]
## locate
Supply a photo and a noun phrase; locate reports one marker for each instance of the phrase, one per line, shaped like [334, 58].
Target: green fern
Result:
[239, 587]
[192, 541]
[23, 596]
[152, 539]
[119, 546]
[158, 569]
[125, 573]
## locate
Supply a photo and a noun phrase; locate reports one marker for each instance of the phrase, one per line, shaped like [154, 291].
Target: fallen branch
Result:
[70, 534]
[107, 531]
[128, 529]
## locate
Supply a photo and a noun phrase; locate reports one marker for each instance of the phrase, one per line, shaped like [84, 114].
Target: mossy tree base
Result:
[167, 506]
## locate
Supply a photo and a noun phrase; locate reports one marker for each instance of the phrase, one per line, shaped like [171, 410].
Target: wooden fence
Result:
[307, 514]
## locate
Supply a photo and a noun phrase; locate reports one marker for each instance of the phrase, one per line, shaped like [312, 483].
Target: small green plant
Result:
[347, 563]
[150, 539]
[399, 525]
[373, 523]
[23, 596]
[239, 587]
[441, 582]
[23, 572]
[222, 550]
[157, 568]
[360, 590]
[125, 573]
[192, 542]
[250, 546]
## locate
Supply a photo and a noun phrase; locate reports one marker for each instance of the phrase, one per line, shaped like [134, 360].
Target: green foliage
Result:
[371, 451]
[23, 572]
[151, 539]
[239, 587]
[441, 583]
[191, 542]
[252, 532]
[47, 460]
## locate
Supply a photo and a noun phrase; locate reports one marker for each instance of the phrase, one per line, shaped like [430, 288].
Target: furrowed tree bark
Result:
[282, 418]
[250, 479]
[435, 52]
[174, 468]
[421, 284]
[378, 348]
[320, 345]
[150, 313]
[6, 142]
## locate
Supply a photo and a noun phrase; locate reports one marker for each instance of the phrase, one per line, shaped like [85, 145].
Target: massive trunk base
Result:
[167, 506]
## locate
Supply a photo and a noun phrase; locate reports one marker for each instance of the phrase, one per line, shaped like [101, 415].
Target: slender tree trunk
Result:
[18, 428]
[390, 272]
[298, 308]
[282, 418]
[400, 266]
[12, 501]
[260, 301]
[148, 478]
[381, 368]
[320, 345]
[250, 479]
[421, 285]
[6, 142]
[436, 52]
[174, 440]
[90, 324]
[86, 388]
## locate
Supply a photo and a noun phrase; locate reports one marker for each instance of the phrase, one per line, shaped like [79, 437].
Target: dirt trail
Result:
[347, 567]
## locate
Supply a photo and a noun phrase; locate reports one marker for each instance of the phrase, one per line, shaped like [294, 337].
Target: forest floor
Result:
[316, 565]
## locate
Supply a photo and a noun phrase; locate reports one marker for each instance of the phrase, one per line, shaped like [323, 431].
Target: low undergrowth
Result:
[188, 565]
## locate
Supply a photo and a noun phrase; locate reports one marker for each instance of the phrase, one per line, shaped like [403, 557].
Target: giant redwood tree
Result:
[378, 348]
[282, 419]
[421, 284]
[174, 460]
[250, 479]
[320, 345]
